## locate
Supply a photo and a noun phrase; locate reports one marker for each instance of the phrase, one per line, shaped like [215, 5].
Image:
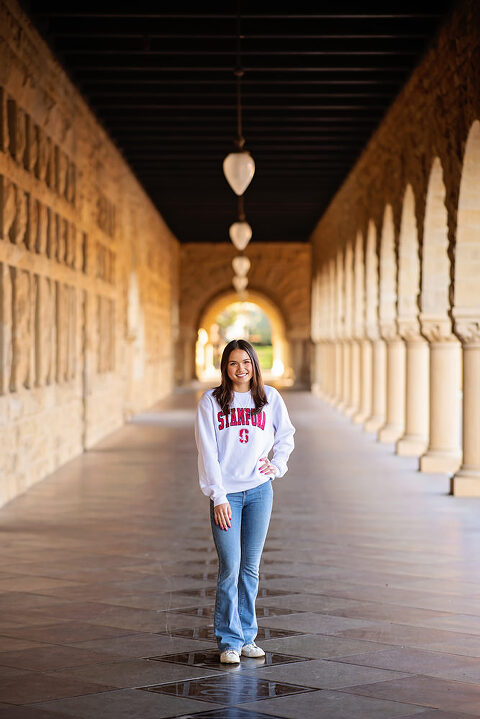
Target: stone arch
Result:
[332, 298]
[443, 452]
[281, 349]
[435, 261]
[371, 282]
[408, 262]
[318, 305]
[340, 294]
[467, 250]
[349, 290]
[388, 279]
[359, 288]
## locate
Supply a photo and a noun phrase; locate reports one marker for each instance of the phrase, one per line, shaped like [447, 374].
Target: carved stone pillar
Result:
[355, 378]
[466, 481]
[395, 387]
[365, 406]
[318, 368]
[338, 372]
[377, 417]
[443, 453]
[347, 361]
[415, 439]
[330, 371]
[326, 374]
[300, 356]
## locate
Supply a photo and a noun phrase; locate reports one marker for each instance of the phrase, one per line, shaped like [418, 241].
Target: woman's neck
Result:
[241, 388]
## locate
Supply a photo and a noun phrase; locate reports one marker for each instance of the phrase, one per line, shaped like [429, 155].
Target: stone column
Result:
[443, 453]
[395, 388]
[377, 417]
[299, 345]
[331, 370]
[347, 362]
[415, 439]
[318, 369]
[466, 481]
[327, 369]
[338, 372]
[355, 378]
[365, 401]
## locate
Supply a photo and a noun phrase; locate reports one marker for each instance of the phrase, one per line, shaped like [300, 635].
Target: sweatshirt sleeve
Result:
[209, 472]
[284, 430]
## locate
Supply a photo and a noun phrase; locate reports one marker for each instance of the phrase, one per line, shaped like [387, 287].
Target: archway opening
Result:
[253, 318]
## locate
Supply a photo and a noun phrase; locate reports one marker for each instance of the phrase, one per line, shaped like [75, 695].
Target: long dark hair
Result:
[224, 392]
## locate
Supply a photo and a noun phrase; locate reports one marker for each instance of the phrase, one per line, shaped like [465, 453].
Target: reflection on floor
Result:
[370, 594]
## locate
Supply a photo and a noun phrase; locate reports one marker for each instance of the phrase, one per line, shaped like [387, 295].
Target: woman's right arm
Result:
[208, 465]
[209, 472]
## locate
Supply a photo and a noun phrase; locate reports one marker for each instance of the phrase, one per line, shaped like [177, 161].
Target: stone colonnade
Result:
[396, 270]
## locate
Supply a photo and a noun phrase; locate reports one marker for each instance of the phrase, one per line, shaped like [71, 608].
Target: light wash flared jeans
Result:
[239, 551]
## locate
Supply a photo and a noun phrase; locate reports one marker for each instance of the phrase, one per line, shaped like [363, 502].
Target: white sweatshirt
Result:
[230, 446]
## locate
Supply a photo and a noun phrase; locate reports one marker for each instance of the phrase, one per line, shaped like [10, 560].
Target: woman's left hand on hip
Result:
[267, 467]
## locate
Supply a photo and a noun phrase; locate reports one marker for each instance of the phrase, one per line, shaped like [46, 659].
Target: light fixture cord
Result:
[240, 209]
[238, 72]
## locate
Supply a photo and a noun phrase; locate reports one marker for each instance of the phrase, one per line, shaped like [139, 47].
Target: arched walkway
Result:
[281, 366]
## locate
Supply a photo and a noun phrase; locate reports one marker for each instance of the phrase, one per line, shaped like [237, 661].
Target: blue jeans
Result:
[239, 551]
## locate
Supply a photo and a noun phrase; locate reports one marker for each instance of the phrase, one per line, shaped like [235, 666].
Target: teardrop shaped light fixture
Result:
[240, 234]
[239, 169]
[241, 265]
[239, 166]
[240, 283]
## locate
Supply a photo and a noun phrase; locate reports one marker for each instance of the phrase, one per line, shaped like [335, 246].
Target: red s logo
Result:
[243, 435]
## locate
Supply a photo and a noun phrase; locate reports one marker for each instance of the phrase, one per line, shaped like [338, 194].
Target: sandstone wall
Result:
[88, 271]
[279, 271]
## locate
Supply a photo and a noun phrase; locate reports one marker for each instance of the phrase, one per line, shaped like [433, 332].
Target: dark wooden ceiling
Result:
[319, 77]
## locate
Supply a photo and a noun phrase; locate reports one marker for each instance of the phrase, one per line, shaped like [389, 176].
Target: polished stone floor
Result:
[370, 587]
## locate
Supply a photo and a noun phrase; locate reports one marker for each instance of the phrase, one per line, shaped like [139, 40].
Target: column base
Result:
[440, 462]
[373, 424]
[411, 446]
[350, 411]
[390, 433]
[359, 418]
[465, 483]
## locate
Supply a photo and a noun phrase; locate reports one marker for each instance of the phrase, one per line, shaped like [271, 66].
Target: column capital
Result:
[409, 329]
[467, 329]
[389, 331]
[437, 330]
[372, 332]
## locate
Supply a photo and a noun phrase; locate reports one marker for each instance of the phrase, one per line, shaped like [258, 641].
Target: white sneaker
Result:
[230, 657]
[251, 650]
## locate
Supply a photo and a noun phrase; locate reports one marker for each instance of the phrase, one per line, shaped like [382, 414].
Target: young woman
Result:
[237, 425]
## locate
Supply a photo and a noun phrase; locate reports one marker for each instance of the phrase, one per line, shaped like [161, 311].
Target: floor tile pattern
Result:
[228, 689]
[209, 658]
[369, 602]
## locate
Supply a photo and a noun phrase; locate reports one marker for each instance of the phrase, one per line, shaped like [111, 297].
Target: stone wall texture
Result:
[430, 118]
[88, 271]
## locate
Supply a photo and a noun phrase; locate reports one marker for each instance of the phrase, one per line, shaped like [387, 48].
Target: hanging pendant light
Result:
[241, 265]
[240, 232]
[240, 283]
[239, 166]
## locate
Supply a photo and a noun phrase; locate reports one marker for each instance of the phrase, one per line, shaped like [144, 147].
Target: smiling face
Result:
[240, 370]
